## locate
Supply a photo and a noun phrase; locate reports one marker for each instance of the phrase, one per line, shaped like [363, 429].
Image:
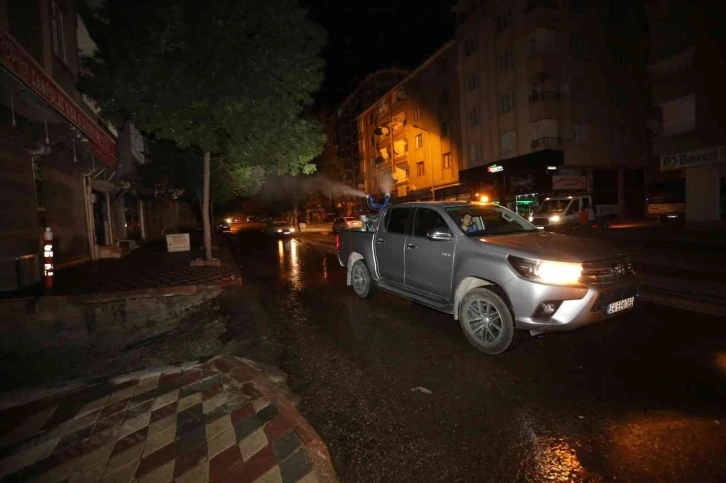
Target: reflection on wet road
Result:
[638, 398]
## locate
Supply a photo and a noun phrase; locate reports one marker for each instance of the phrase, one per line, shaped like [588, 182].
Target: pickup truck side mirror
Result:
[440, 234]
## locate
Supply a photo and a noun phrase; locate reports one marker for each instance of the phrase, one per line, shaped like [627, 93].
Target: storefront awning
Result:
[22, 66]
[532, 162]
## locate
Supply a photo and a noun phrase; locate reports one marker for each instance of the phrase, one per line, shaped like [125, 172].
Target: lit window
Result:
[446, 160]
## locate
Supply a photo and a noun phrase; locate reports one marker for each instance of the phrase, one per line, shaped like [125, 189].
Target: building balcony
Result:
[668, 64]
[544, 109]
[544, 96]
[541, 61]
[534, 4]
[541, 14]
[545, 142]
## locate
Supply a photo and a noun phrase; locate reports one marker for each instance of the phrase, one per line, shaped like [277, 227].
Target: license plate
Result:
[621, 305]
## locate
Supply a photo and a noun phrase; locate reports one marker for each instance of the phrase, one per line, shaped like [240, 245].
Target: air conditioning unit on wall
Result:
[127, 245]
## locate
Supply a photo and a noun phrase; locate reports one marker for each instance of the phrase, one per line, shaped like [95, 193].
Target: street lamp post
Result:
[431, 157]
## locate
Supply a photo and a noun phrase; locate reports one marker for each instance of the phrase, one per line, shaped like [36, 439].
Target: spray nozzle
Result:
[377, 206]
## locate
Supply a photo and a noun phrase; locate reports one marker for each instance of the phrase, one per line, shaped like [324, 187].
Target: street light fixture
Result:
[431, 157]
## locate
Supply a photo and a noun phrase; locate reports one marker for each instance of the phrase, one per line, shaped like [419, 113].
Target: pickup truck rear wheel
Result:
[360, 278]
[487, 321]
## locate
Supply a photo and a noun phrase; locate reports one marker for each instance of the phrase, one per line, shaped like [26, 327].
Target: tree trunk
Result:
[205, 210]
[212, 222]
[294, 210]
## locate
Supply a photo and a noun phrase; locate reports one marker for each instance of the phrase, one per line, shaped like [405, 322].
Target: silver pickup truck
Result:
[490, 268]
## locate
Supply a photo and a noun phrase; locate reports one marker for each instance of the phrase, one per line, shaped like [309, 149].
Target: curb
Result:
[704, 304]
[244, 370]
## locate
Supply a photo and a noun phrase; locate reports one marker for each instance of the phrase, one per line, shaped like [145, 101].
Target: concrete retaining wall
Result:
[29, 326]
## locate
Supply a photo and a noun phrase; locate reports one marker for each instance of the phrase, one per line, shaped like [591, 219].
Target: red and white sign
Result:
[578, 183]
[14, 58]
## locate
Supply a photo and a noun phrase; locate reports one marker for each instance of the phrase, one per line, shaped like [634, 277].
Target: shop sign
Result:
[689, 159]
[14, 58]
[569, 183]
[495, 168]
[522, 181]
[178, 242]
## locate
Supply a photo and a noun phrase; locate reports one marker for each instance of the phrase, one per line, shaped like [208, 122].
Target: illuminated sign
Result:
[693, 158]
[495, 168]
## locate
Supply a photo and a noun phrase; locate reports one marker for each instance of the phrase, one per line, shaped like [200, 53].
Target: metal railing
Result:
[544, 96]
[546, 141]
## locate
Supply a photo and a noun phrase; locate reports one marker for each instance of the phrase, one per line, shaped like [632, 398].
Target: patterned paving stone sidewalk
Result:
[147, 267]
[224, 420]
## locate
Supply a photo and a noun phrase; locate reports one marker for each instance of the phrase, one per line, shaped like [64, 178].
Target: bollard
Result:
[48, 257]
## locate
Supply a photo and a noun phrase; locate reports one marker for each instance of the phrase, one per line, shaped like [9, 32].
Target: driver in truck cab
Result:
[467, 223]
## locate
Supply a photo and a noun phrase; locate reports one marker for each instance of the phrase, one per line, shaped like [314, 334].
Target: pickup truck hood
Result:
[543, 245]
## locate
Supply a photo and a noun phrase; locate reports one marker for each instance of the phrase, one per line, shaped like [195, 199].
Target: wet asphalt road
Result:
[639, 398]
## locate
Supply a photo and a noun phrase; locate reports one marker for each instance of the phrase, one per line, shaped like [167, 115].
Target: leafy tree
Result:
[227, 78]
[180, 167]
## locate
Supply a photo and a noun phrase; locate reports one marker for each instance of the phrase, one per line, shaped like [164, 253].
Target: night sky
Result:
[362, 39]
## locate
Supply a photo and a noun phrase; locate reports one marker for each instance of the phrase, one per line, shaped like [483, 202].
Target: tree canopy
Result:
[228, 77]
[180, 167]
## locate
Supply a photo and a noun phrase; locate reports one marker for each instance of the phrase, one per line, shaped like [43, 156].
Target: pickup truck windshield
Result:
[488, 220]
[553, 206]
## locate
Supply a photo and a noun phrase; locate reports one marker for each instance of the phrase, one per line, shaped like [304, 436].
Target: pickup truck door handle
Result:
[380, 241]
[410, 246]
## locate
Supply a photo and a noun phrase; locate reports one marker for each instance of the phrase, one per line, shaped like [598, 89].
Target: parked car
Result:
[495, 272]
[223, 226]
[280, 228]
[347, 223]
[563, 212]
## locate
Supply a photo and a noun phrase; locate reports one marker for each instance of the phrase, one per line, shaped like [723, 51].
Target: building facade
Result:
[553, 101]
[689, 141]
[410, 138]
[61, 165]
[346, 115]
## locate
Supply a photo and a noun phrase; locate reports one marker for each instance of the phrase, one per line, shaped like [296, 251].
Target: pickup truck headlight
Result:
[555, 219]
[550, 273]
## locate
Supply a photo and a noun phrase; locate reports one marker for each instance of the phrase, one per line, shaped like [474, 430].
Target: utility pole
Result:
[431, 157]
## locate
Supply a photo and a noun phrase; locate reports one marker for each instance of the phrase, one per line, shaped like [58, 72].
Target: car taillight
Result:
[337, 242]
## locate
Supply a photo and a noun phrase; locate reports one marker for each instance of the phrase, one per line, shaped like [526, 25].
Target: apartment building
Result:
[61, 165]
[553, 100]
[345, 122]
[689, 142]
[410, 138]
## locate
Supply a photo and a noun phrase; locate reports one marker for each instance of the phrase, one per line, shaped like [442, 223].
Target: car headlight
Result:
[555, 219]
[279, 231]
[550, 273]
[292, 230]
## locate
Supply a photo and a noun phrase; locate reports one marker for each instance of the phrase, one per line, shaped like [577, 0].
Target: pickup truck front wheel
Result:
[487, 321]
[360, 278]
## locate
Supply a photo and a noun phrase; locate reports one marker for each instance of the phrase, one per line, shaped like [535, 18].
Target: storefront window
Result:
[526, 204]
